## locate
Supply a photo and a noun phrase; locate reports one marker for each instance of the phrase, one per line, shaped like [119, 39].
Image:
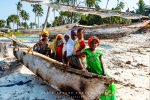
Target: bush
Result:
[9, 34]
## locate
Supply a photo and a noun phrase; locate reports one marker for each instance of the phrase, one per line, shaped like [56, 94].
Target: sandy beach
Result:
[126, 59]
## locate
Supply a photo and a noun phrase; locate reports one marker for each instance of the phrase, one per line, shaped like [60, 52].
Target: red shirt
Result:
[59, 52]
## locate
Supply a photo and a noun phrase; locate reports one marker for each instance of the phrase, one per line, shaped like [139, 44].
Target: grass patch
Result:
[9, 34]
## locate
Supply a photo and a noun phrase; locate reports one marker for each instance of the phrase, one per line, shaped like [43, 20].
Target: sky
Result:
[8, 7]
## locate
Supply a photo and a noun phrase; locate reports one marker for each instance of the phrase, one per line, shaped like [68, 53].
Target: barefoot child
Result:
[95, 65]
[80, 44]
[79, 47]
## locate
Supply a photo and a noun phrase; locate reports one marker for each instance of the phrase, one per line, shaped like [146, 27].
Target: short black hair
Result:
[80, 29]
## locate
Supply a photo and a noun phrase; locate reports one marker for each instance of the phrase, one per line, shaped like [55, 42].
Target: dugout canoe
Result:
[80, 86]
[101, 31]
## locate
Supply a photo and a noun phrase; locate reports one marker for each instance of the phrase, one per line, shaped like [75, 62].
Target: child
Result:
[53, 45]
[79, 45]
[70, 47]
[78, 48]
[64, 52]
[61, 49]
[41, 45]
[93, 57]
[95, 65]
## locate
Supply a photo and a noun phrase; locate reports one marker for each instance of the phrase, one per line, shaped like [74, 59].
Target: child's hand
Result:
[66, 67]
[83, 70]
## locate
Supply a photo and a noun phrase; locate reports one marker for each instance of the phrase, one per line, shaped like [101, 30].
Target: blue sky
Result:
[8, 7]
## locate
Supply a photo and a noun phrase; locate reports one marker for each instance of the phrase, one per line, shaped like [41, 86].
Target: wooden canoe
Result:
[80, 86]
[101, 31]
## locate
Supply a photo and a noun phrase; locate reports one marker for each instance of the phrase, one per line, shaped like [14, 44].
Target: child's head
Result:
[80, 33]
[66, 37]
[93, 42]
[45, 34]
[59, 36]
[73, 34]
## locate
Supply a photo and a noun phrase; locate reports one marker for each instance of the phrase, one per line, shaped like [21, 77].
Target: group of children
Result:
[72, 50]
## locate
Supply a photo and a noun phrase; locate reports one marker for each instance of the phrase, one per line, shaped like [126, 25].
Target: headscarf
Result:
[70, 44]
[73, 31]
[45, 32]
[64, 41]
[53, 44]
[93, 38]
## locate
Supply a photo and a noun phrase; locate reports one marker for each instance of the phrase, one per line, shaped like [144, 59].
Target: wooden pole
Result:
[47, 16]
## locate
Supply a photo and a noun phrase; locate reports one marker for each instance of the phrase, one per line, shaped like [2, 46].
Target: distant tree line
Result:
[66, 17]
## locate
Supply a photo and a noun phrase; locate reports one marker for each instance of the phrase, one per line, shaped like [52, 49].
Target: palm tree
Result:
[25, 16]
[25, 25]
[142, 7]
[120, 6]
[107, 4]
[45, 24]
[39, 12]
[19, 7]
[117, 2]
[2, 23]
[92, 3]
[13, 19]
[34, 10]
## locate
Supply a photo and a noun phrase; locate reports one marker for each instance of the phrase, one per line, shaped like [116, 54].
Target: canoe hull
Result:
[83, 87]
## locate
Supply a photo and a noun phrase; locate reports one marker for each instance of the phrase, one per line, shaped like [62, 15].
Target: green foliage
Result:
[19, 6]
[120, 6]
[92, 3]
[37, 9]
[32, 24]
[2, 23]
[142, 7]
[25, 16]
[25, 25]
[12, 19]
[95, 19]
[65, 18]
[9, 34]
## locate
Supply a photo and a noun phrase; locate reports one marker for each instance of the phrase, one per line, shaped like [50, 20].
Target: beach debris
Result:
[3, 50]
[128, 62]
[4, 65]
[18, 83]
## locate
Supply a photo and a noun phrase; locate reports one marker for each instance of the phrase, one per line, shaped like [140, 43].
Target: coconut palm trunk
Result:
[35, 21]
[18, 15]
[45, 24]
[48, 11]
[107, 4]
[38, 21]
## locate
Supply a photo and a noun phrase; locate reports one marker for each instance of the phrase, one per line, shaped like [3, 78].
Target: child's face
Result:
[66, 38]
[80, 34]
[93, 44]
[45, 36]
[74, 36]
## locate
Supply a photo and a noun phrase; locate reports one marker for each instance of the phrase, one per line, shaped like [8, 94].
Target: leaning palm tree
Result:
[19, 7]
